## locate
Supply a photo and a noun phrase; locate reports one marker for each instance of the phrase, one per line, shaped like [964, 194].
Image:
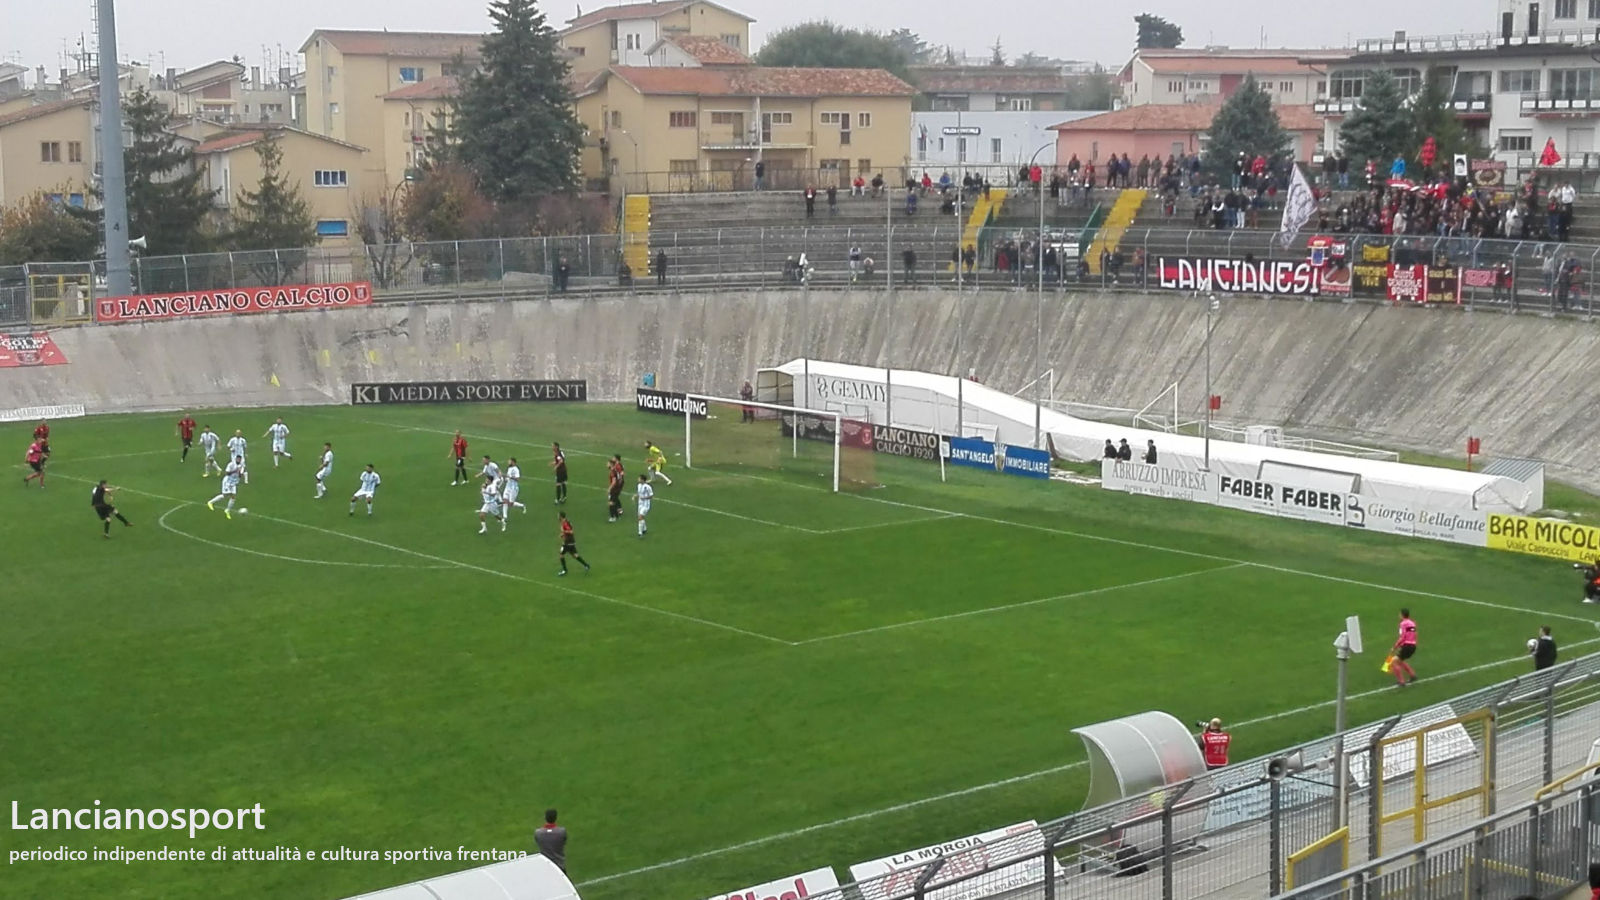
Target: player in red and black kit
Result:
[614, 489]
[185, 434]
[558, 461]
[38, 455]
[569, 545]
[41, 432]
[458, 449]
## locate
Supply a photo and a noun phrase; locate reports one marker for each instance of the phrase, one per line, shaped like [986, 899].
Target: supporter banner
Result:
[1007, 458]
[1297, 277]
[856, 435]
[1544, 537]
[1422, 284]
[1488, 173]
[470, 392]
[668, 403]
[1464, 527]
[897, 875]
[33, 348]
[284, 298]
[1336, 280]
[1478, 278]
[905, 442]
[795, 887]
[35, 413]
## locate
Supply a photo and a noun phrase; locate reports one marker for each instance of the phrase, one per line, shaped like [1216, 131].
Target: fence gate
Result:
[1422, 775]
[1319, 860]
[61, 293]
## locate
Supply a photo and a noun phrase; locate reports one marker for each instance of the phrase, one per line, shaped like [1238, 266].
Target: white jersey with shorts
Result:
[208, 443]
[369, 485]
[645, 493]
[491, 503]
[511, 485]
[327, 465]
[230, 480]
[280, 437]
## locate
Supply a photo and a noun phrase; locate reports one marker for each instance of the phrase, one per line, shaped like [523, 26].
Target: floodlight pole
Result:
[1212, 306]
[113, 178]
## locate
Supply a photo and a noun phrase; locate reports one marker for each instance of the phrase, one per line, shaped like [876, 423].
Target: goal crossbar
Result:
[705, 403]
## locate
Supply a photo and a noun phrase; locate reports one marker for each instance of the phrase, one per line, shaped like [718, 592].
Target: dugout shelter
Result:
[525, 878]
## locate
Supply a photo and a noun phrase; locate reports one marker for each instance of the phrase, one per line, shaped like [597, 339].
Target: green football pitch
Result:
[777, 678]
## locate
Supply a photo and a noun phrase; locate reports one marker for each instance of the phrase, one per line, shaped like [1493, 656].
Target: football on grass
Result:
[243, 510]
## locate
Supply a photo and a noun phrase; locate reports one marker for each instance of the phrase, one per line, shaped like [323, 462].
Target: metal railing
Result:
[1235, 830]
[64, 293]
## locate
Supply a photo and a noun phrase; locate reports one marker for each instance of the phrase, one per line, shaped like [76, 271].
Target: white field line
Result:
[1003, 782]
[1025, 603]
[895, 524]
[83, 459]
[162, 521]
[544, 584]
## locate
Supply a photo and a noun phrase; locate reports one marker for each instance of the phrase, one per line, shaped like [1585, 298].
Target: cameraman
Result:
[1214, 743]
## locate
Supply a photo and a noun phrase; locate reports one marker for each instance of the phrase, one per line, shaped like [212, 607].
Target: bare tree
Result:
[381, 227]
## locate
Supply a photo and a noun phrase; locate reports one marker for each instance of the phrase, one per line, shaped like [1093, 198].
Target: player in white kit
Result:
[279, 433]
[325, 470]
[511, 486]
[490, 507]
[208, 442]
[643, 494]
[369, 486]
[490, 469]
[230, 487]
[236, 449]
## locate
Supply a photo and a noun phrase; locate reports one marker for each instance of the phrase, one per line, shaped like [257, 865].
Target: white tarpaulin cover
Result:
[524, 878]
[953, 406]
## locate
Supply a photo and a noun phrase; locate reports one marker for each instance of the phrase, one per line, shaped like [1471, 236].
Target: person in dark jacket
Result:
[1111, 449]
[1124, 452]
[1150, 452]
[551, 839]
[1544, 649]
[661, 268]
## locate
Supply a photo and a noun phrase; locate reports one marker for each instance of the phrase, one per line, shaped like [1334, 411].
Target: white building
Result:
[986, 138]
[1532, 80]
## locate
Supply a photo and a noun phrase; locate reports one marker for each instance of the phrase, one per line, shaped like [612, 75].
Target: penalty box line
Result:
[454, 563]
[1004, 782]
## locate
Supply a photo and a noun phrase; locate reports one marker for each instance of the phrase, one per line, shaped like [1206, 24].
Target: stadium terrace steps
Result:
[1117, 222]
[1401, 377]
[636, 233]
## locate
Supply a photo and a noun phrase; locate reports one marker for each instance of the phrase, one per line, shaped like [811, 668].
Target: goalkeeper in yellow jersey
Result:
[654, 461]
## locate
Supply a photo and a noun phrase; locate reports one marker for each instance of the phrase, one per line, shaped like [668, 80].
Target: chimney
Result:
[255, 78]
[283, 76]
[39, 75]
[172, 78]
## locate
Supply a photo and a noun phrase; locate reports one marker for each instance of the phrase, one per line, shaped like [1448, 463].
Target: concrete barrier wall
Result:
[1402, 377]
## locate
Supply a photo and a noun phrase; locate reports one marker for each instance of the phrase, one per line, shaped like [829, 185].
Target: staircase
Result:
[1117, 221]
[982, 208]
[636, 233]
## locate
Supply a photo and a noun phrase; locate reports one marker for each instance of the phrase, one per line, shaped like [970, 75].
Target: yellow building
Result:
[412, 118]
[623, 35]
[673, 127]
[48, 147]
[349, 75]
[328, 173]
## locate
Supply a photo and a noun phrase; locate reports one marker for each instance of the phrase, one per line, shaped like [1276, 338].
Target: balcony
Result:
[1472, 105]
[730, 139]
[1342, 106]
[1457, 43]
[1561, 103]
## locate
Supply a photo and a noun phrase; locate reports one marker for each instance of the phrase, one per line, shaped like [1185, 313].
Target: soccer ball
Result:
[245, 509]
[1533, 644]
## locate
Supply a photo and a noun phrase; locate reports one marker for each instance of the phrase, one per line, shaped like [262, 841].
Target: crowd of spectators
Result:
[1453, 207]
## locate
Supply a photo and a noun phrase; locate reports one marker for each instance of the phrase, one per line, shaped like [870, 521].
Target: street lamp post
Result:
[1038, 310]
[635, 172]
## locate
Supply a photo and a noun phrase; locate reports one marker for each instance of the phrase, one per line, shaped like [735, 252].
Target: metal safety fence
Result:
[1513, 276]
[1261, 827]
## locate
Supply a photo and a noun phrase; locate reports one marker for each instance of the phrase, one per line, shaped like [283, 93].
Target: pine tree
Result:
[1381, 127]
[513, 122]
[273, 216]
[1246, 124]
[38, 229]
[1432, 116]
[168, 202]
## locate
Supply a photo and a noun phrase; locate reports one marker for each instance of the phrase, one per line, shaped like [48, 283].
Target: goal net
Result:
[720, 433]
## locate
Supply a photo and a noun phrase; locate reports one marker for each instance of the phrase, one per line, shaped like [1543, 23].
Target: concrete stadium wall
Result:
[1401, 377]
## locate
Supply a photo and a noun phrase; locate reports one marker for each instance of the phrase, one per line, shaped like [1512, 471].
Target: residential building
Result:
[1532, 81]
[1009, 139]
[413, 118]
[665, 128]
[1165, 77]
[1156, 130]
[692, 50]
[48, 147]
[221, 92]
[987, 88]
[13, 79]
[626, 34]
[349, 74]
[328, 173]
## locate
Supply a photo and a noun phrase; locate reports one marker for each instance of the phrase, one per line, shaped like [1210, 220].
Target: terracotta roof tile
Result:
[438, 87]
[1188, 117]
[424, 44]
[758, 81]
[43, 109]
[987, 79]
[230, 141]
[709, 51]
[245, 135]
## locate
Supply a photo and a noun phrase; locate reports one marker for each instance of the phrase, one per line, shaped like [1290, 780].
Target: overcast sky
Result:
[183, 35]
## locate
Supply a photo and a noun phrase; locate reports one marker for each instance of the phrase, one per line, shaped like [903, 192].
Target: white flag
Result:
[1297, 209]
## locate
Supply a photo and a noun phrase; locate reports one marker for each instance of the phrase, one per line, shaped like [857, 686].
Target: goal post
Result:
[730, 434]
